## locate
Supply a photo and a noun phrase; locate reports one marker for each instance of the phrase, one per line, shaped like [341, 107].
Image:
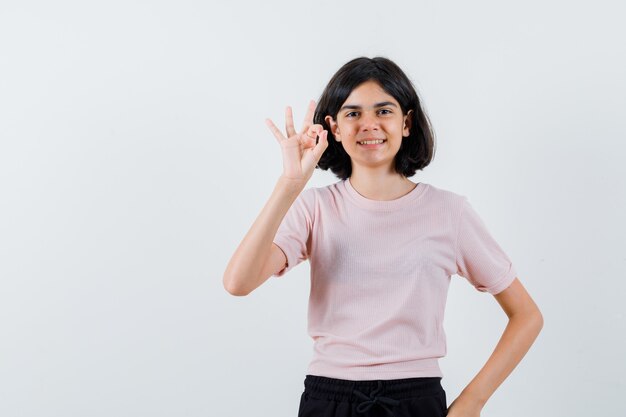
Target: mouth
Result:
[374, 143]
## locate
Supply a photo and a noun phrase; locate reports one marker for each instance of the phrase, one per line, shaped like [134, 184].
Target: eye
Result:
[351, 114]
[385, 110]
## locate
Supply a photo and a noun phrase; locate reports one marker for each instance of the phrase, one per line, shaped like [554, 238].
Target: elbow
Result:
[230, 285]
[532, 318]
[535, 320]
[540, 320]
[538, 324]
[538, 317]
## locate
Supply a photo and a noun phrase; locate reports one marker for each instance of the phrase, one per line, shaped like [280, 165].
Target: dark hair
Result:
[416, 151]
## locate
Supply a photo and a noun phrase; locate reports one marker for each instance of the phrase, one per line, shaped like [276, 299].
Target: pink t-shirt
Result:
[380, 272]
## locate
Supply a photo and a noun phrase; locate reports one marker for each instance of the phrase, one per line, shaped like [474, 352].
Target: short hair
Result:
[416, 151]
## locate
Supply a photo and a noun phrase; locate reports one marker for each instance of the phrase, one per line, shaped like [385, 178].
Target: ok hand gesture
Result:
[300, 151]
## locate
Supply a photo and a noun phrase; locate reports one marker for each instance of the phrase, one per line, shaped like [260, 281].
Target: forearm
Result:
[517, 338]
[250, 256]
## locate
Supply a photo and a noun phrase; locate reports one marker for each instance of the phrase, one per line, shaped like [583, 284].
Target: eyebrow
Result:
[356, 107]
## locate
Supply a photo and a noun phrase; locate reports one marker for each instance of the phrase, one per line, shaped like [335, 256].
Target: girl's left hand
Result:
[464, 406]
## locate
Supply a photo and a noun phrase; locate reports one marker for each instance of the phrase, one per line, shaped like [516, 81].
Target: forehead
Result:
[368, 92]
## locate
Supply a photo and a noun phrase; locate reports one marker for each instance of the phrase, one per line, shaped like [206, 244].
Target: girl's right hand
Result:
[300, 152]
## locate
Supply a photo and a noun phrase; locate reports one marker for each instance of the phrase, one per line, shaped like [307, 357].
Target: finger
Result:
[321, 146]
[312, 134]
[308, 141]
[277, 133]
[289, 122]
[314, 130]
[308, 119]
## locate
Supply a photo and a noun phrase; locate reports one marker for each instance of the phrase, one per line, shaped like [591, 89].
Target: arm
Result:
[256, 257]
[247, 268]
[525, 323]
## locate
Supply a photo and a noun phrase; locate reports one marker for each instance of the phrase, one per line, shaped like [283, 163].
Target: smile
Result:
[372, 142]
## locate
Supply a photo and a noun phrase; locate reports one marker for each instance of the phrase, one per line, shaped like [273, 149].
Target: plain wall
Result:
[134, 157]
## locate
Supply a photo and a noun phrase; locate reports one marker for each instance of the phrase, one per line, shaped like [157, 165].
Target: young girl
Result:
[382, 250]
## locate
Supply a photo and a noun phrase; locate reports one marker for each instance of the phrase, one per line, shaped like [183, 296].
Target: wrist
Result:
[291, 183]
[473, 398]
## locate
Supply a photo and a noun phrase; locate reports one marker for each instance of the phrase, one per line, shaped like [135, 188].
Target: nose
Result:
[369, 122]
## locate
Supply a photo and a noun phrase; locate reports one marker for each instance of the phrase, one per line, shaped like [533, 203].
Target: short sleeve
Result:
[293, 234]
[479, 258]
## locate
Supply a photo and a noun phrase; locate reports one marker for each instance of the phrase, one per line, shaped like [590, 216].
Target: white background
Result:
[134, 157]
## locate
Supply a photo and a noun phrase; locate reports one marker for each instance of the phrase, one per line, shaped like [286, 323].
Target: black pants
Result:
[409, 397]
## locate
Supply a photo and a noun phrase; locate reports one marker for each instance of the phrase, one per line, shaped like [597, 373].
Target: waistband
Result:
[386, 393]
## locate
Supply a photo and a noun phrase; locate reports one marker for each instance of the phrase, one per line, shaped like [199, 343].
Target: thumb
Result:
[321, 146]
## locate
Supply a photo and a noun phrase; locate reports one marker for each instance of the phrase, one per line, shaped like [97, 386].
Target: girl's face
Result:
[370, 114]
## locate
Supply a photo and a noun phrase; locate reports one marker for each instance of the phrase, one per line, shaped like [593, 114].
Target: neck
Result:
[378, 185]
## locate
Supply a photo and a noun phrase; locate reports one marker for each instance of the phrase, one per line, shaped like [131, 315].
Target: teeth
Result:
[371, 142]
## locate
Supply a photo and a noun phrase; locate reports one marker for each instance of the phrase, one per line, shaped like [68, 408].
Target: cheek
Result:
[348, 133]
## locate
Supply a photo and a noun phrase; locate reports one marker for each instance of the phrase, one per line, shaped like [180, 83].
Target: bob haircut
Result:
[416, 151]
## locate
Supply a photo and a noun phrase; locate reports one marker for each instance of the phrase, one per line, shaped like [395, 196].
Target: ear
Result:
[334, 128]
[408, 120]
